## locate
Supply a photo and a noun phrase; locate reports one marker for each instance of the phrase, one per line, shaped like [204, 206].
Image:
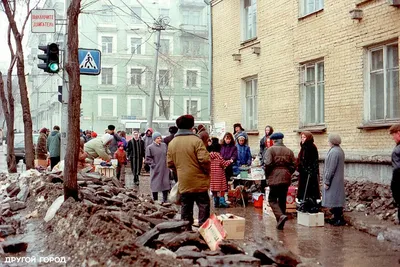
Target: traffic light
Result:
[81, 112]
[50, 58]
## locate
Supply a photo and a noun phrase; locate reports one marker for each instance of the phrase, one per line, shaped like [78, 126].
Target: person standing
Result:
[54, 146]
[136, 155]
[120, 155]
[244, 153]
[41, 149]
[238, 129]
[308, 168]
[148, 140]
[265, 142]
[395, 184]
[156, 158]
[333, 193]
[172, 130]
[203, 134]
[279, 165]
[114, 142]
[188, 157]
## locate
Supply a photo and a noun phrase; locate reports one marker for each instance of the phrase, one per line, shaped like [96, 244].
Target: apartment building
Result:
[322, 66]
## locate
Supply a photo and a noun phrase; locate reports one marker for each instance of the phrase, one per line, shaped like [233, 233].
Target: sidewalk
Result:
[373, 226]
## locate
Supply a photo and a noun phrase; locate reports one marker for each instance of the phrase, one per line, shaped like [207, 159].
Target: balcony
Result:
[191, 3]
[201, 30]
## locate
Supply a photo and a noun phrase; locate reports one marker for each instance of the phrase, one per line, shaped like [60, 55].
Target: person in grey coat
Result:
[156, 158]
[333, 193]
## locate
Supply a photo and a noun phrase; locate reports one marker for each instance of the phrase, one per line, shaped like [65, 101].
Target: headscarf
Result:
[106, 138]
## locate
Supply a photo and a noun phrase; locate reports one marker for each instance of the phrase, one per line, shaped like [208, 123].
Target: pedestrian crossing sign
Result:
[89, 61]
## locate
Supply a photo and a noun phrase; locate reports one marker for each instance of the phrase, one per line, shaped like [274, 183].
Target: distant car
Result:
[19, 145]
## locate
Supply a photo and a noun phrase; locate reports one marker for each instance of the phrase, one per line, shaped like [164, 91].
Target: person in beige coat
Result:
[97, 147]
[188, 157]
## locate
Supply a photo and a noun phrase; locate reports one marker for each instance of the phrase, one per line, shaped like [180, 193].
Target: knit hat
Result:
[106, 138]
[43, 130]
[185, 122]
[155, 135]
[149, 129]
[241, 136]
[120, 144]
[93, 134]
[276, 136]
[334, 139]
[173, 129]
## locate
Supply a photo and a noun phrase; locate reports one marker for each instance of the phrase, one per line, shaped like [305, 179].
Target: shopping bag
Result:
[174, 195]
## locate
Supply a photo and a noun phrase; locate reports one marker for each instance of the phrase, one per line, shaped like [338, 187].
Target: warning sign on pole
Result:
[43, 21]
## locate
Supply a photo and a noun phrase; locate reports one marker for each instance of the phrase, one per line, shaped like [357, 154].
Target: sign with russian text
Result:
[43, 21]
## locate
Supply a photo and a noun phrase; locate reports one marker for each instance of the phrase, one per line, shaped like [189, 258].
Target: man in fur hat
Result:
[188, 157]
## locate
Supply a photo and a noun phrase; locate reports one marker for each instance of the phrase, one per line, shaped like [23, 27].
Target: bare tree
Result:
[10, 10]
[74, 100]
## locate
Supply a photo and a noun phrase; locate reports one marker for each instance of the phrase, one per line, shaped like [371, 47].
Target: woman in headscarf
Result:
[156, 158]
[238, 129]
[308, 168]
[41, 149]
[333, 194]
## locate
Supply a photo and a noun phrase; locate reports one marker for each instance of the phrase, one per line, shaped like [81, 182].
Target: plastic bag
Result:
[175, 196]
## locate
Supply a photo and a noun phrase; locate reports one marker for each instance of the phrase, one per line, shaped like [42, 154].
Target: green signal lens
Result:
[53, 66]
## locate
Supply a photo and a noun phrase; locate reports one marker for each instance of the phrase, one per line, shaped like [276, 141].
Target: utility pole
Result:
[159, 26]
[210, 63]
[65, 90]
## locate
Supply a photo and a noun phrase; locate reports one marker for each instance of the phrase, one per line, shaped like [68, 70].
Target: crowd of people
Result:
[203, 164]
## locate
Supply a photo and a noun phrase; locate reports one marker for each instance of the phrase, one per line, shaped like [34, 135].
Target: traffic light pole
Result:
[65, 90]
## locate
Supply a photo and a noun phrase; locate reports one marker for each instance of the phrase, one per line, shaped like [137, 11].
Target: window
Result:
[107, 13]
[136, 76]
[164, 108]
[384, 100]
[164, 12]
[164, 46]
[192, 48]
[107, 106]
[250, 115]
[136, 107]
[192, 107]
[312, 87]
[136, 46]
[106, 76]
[106, 44]
[136, 15]
[310, 6]
[163, 78]
[249, 19]
[191, 17]
[192, 79]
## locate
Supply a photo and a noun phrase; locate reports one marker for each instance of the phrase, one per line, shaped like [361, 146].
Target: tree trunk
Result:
[26, 113]
[74, 100]
[9, 116]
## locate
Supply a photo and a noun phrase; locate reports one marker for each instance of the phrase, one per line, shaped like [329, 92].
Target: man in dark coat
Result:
[114, 142]
[279, 166]
[136, 155]
[395, 185]
[172, 130]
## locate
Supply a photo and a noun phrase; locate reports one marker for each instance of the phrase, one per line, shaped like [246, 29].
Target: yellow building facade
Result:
[323, 66]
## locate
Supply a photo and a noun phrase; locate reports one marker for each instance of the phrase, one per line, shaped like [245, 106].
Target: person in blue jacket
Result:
[244, 154]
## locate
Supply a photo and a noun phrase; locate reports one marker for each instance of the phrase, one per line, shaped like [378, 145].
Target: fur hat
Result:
[106, 138]
[276, 136]
[173, 129]
[334, 139]
[155, 135]
[185, 122]
[237, 125]
[111, 127]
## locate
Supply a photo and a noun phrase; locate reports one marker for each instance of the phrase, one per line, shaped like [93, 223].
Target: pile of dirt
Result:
[370, 198]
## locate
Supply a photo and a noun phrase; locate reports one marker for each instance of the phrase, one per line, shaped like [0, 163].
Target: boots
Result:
[222, 203]
[216, 202]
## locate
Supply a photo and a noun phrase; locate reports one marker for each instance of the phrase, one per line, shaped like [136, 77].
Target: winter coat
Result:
[279, 164]
[218, 180]
[243, 133]
[54, 144]
[229, 152]
[95, 148]
[81, 159]
[334, 196]
[148, 140]
[308, 168]
[41, 149]
[120, 155]
[265, 143]
[244, 155]
[188, 157]
[168, 139]
[156, 158]
[396, 157]
[204, 136]
[114, 143]
[136, 154]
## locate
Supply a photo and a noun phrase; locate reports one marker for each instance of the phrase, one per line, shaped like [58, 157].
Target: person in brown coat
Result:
[41, 149]
[203, 134]
[279, 167]
[189, 158]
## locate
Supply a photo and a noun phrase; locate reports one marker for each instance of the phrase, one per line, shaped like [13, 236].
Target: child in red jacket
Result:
[120, 155]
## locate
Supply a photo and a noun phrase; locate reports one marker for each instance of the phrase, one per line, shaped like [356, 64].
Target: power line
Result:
[184, 31]
[146, 10]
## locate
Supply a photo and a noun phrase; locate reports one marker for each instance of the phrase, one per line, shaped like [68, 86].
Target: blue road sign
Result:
[89, 61]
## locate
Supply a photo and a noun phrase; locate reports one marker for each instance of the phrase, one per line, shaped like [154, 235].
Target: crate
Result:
[310, 219]
[107, 171]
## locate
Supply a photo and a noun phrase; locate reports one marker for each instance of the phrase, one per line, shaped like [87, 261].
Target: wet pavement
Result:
[330, 246]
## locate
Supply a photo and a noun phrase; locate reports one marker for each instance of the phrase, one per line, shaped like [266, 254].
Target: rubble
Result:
[271, 251]
[370, 198]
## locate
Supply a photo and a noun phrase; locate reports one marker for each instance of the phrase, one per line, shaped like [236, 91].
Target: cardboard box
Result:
[212, 232]
[310, 219]
[233, 225]
[257, 173]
